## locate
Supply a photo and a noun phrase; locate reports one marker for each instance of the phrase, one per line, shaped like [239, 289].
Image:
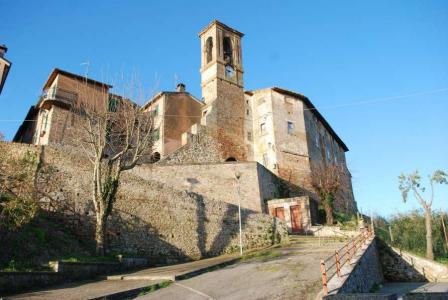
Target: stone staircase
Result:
[312, 241]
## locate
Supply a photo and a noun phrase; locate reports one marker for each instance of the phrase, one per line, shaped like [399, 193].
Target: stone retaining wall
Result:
[402, 266]
[149, 219]
[19, 281]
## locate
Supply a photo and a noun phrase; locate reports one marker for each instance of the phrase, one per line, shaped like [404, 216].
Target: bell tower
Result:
[222, 86]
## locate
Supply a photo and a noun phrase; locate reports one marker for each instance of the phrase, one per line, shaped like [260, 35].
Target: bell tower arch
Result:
[222, 86]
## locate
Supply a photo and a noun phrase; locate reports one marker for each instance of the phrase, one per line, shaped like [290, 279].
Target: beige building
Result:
[278, 128]
[174, 113]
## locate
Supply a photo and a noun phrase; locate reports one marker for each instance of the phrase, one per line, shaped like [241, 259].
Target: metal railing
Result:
[59, 94]
[332, 266]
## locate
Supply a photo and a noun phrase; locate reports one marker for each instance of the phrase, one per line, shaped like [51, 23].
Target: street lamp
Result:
[238, 176]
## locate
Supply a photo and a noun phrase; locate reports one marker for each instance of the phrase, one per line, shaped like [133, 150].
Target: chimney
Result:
[3, 50]
[180, 88]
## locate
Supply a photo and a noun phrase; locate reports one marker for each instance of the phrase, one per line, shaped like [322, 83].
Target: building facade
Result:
[278, 128]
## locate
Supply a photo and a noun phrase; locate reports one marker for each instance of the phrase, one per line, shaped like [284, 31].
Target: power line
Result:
[371, 101]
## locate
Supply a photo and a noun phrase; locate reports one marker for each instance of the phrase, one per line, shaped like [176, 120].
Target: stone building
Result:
[5, 65]
[51, 120]
[174, 113]
[279, 129]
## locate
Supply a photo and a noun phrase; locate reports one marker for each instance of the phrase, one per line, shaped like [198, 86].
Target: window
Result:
[316, 139]
[335, 152]
[112, 105]
[227, 49]
[249, 136]
[209, 50]
[328, 154]
[290, 127]
[156, 134]
[204, 113]
[263, 128]
[155, 111]
[247, 112]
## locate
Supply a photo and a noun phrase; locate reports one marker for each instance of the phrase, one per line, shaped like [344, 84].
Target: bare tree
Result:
[327, 180]
[2, 137]
[412, 182]
[115, 135]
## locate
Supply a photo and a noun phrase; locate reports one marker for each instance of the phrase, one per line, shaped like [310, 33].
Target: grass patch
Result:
[154, 287]
[442, 260]
[263, 255]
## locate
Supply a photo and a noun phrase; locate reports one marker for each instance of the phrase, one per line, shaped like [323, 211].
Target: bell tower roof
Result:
[223, 26]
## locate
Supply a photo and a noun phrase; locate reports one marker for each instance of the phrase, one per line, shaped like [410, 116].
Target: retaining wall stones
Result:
[19, 281]
[402, 266]
[149, 219]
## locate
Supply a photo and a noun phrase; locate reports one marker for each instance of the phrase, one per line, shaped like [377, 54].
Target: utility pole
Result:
[238, 176]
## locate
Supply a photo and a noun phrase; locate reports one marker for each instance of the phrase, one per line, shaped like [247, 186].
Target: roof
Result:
[222, 25]
[160, 94]
[28, 118]
[57, 71]
[3, 46]
[312, 108]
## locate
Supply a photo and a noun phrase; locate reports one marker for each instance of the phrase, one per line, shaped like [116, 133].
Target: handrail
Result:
[56, 93]
[341, 257]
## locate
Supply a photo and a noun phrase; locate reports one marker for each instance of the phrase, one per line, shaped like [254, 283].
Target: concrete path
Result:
[125, 282]
[401, 288]
[176, 272]
[290, 272]
[85, 290]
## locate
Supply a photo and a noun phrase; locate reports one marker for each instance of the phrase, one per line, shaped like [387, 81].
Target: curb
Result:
[132, 293]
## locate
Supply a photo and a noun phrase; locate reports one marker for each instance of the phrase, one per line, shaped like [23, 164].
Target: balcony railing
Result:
[60, 95]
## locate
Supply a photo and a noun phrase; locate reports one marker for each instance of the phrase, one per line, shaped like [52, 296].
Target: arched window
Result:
[227, 49]
[231, 159]
[208, 49]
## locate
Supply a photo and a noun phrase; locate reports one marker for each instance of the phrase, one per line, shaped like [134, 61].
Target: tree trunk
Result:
[328, 214]
[428, 224]
[100, 234]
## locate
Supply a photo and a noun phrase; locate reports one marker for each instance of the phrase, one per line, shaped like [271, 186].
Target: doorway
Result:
[296, 225]
[280, 213]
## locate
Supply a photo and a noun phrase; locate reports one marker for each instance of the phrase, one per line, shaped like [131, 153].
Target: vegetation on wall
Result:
[327, 180]
[17, 206]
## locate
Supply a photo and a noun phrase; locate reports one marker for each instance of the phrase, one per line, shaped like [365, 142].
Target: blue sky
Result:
[335, 52]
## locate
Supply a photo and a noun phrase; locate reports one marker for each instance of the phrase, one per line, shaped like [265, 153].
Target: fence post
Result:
[353, 247]
[347, 253]
[323, 270]
[338, 263]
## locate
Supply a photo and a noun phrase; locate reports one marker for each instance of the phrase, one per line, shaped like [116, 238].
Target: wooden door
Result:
[280, 213]
[295, 219]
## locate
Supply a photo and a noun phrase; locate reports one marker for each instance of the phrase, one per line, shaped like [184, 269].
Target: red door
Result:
[280, 213]
[295, 219]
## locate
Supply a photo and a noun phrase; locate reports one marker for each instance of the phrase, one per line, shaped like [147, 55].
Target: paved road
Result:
[290, 273]
[85, 290]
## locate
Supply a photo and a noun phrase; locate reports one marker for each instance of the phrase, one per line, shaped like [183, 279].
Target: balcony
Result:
[59, 95]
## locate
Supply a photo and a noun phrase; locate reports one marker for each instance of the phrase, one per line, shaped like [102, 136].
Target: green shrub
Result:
[409, 233]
